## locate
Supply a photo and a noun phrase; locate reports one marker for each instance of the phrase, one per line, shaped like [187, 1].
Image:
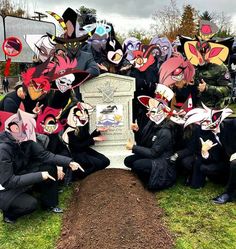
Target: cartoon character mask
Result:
[143, 57]
[99, 38]
[208, 119]
[165, 47]
[114, 51]
[79, 115]
[21, 126]
[158, 108]
[129, 45]
[176, 71]
[41, 45]
[203, 50]
[36, 79]
[65, 74]
[180, 110]
[48, 121]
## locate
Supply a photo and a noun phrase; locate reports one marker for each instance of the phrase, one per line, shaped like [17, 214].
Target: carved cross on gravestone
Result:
[107, 92]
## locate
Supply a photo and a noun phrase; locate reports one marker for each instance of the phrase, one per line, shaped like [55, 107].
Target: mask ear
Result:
[190, 49]
[218, 53]
[144, 100]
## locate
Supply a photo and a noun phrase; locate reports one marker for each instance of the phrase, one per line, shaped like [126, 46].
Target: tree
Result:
[188, 25]
[206, 16]
[141, 35]
[224, 23]
[167, 21]
[8, 7]
[85, 10]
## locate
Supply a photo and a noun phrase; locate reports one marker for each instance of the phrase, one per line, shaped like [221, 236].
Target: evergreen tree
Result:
[188, 25]
[206, 16]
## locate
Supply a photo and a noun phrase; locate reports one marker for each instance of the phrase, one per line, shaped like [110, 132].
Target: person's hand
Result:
[99, 138]
[233, 157]
[174, 158]
[206, 145]
[60, 173]
[129, 145]
[37, 109]
[102, 67]
[105, 128]
[134, 127]
[126, 68]
[45, 176]
[202, 86]
[75, 166]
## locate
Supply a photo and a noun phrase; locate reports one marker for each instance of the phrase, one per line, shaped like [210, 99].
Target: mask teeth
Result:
[50, 128]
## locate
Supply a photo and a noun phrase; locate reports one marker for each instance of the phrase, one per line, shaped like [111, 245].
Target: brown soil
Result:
[110, 209]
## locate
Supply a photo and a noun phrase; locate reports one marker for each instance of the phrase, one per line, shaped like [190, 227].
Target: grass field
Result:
[194, 221]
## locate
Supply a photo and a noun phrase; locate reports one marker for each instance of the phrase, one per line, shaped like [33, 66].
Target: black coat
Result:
[228, 136]
[158, 147]
[81, 142]
[10, 103]
[18, 169]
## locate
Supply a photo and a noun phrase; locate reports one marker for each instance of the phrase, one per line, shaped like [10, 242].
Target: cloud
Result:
[130, 14]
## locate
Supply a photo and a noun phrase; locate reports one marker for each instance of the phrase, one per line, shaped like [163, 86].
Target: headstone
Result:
[112, 96]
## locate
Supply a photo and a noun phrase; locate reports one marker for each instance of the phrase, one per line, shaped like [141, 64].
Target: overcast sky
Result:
[128, 14]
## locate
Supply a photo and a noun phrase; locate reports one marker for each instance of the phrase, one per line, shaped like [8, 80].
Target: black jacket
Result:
[158, 141]
[17, 167]
[81, 142]
[228, 136]
[10, 103]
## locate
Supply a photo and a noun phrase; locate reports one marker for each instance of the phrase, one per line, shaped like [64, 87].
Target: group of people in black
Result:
[181, 124]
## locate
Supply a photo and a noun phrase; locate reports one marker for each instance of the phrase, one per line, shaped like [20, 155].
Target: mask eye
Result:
[62, 72]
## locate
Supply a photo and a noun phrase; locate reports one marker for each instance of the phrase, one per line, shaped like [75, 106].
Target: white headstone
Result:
[112, 96]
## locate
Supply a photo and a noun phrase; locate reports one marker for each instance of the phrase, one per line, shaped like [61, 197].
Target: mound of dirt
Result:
[110, 209]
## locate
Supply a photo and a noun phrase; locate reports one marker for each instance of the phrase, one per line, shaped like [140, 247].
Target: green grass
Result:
[1, 96]
[193, 219]
[196, 221]
[39, 230]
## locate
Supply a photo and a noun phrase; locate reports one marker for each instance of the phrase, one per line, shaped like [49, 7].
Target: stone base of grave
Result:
[116, 155]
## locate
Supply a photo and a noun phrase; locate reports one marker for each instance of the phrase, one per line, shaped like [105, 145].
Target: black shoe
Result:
[9, 220]
[56, 210]
[222, 199]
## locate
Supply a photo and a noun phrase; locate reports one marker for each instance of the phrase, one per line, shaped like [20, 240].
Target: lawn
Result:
[196, 221]
[193, 219]
[36, 231]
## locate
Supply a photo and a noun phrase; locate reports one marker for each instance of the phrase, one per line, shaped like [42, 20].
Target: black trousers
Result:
[21, 205]
[48, 189]
[141, 166]
[5, 88]
[231, 185]
[25, 203]
[197, 169]
[91, 161]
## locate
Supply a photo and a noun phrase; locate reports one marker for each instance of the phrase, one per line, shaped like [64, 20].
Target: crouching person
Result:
[150, 160]
[23, 164]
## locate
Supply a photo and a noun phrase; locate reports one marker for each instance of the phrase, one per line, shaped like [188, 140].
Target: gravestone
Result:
[111, 95]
